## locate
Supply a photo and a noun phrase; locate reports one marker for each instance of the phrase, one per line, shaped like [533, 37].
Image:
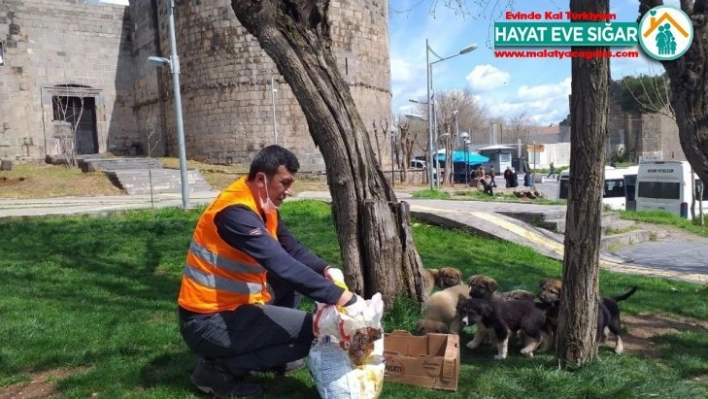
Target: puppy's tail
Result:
[625, 295]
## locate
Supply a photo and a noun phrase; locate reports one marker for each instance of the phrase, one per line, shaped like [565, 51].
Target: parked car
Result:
[421, 164]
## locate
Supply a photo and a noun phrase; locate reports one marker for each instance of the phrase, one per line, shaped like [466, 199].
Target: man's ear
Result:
[260, 180]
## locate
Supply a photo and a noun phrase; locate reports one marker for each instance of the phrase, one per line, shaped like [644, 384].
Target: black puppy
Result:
[608, 317]
[502, 318]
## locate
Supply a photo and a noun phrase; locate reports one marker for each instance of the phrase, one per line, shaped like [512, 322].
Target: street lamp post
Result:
[466, 140]
[393, 132]
[272, 96]
[533, 176]
[467, 163]
[429, 87]
[457, 127]
[173, 63]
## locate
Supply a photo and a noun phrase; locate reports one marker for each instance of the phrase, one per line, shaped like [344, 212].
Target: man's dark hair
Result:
[269, 159]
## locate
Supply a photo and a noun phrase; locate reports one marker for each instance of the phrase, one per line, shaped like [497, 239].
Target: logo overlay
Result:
[565, 34]
[666, 33]
[567, 31]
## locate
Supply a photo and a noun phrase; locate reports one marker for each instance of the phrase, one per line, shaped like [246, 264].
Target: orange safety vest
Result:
[216, 276]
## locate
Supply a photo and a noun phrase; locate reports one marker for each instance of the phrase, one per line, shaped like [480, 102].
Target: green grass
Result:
[98, 295]
[666, 218]
[431, 194]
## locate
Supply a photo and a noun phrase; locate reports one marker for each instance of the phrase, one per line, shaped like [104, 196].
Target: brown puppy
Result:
[430, 276]
[608, 315]
[483, 287]
[501, 319]
[442, 278]
[448, 277]
[440, 311]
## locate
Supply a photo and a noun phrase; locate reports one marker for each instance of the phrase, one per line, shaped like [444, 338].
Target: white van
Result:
[614, 188]
[667, 186]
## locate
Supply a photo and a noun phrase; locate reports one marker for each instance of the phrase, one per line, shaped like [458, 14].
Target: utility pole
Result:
[174, 66]
[275, 123]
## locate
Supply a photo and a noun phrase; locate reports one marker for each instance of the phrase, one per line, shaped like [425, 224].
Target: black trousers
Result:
[252, 337]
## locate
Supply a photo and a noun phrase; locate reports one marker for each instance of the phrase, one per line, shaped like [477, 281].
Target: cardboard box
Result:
[431, 361]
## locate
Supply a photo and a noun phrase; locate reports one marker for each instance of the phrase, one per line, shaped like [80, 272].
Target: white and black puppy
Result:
[502, 318]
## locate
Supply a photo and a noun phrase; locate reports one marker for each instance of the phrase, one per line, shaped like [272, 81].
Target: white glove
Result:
[334, 274]
[357, 308]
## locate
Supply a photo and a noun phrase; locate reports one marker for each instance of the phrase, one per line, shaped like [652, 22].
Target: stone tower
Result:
[226, 81]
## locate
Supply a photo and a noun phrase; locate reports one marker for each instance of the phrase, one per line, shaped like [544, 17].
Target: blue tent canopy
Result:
[472, 158]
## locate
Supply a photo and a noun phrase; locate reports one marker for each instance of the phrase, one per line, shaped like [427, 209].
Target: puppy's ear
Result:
[492, 285]
[472, 279]
[458, 274]
[543, 282]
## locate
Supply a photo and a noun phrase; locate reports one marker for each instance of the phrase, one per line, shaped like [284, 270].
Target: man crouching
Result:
[239, 292]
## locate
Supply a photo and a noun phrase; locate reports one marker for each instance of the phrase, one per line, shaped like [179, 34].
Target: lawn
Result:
[668, 219]
[41, 180]
[95, 299]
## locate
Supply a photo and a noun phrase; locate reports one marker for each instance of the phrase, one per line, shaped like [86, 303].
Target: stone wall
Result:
[50, 44]
[660, 136]
[149, 112]
[226, 82]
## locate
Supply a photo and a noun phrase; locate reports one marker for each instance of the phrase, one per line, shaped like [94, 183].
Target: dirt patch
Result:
[41, 385]
[642, 327]
[11, 181]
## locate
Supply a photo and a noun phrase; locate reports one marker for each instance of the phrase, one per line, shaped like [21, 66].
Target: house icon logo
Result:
[666, 33]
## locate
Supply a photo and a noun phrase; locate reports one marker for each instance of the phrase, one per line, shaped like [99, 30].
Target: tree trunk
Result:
[373, 228]
[689, 92]
[576, 338]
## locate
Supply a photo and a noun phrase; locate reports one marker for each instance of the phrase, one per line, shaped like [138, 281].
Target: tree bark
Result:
[373, 228]
[576, 339]
[689, 93]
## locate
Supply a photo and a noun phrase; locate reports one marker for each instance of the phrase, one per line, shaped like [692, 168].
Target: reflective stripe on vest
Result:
[223, 263]
[220, 283]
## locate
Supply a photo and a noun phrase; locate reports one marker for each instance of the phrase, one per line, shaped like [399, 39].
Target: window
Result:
[614, 188]
[659, 190]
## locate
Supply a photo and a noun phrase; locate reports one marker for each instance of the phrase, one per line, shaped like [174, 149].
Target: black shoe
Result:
[213, 379]
[282, 369]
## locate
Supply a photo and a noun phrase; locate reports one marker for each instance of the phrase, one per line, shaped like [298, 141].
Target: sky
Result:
[537, 88]
[506, 87]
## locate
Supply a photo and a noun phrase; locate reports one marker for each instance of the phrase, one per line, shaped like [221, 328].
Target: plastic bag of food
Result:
[346, 359]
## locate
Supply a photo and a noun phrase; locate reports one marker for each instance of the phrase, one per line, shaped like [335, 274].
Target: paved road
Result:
[680, 256]
[677, 254]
